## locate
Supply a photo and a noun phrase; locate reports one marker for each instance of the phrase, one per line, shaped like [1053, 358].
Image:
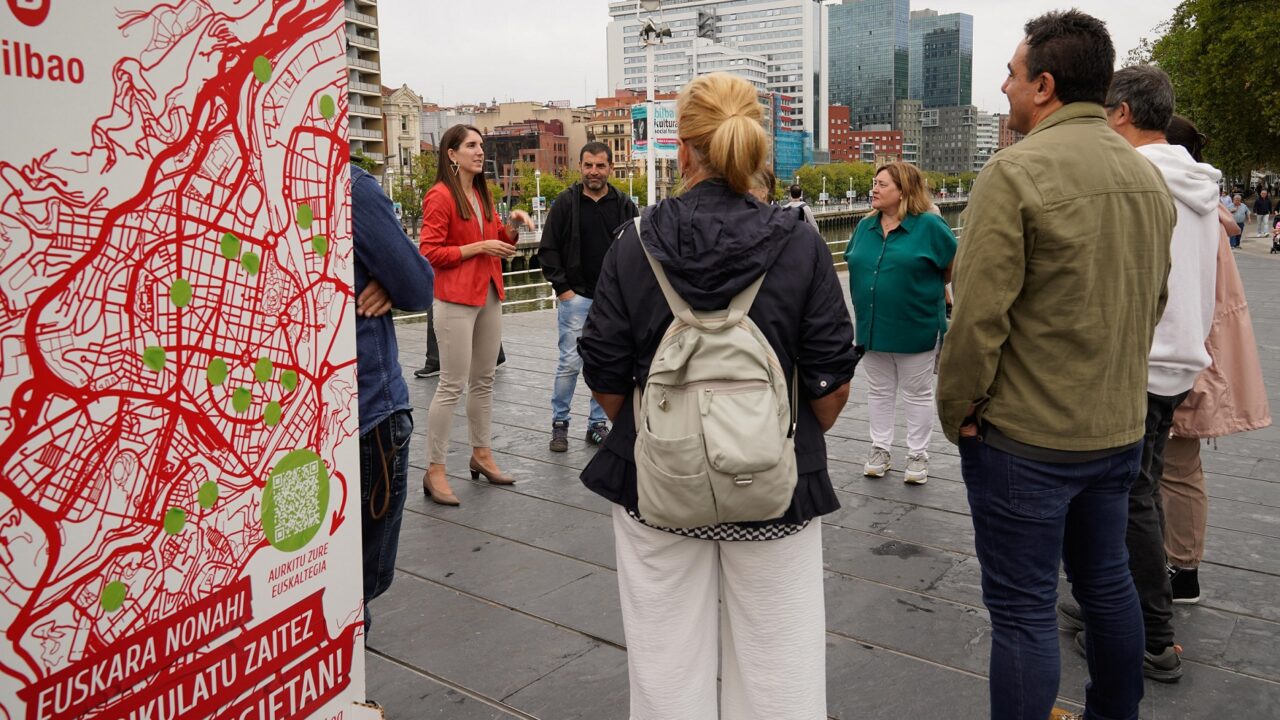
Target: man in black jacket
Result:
[1262, 207]
[578, 232]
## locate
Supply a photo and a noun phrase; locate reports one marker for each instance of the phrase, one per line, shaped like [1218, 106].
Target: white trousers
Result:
[761, 600]
[911, 376]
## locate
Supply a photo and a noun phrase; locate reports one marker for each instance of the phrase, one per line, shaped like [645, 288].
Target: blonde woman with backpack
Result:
[720, 347]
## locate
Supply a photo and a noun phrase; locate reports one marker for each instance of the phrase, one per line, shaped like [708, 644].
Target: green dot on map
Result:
[174, 520]
[262, 69]
[304, 216]
[113, 595]
[289, 379]
[230, 246]
[207, 495]
[241, 398]
[327, 107]
[262, 369]
[272, 414]
[295, 500]
[180, 292]
[320, 244]
[217, 372]
[153, 358]
[251, 262]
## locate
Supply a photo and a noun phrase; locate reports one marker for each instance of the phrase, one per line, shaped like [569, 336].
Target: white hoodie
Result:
[1177, 351]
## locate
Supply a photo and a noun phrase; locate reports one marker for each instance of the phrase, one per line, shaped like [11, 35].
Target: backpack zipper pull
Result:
[707, 394]
[663, 404]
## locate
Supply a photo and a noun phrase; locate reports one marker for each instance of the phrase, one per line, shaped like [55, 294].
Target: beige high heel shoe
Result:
[495, 477]
[439, 497]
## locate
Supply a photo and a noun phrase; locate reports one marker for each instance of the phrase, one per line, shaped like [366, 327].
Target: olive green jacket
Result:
[1059, 282]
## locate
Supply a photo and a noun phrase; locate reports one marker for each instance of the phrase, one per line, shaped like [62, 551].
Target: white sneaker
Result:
[917, 469]
[877, 463]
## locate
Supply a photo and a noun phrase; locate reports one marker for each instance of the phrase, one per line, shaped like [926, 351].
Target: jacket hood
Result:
[713, 242]
[1193, 183]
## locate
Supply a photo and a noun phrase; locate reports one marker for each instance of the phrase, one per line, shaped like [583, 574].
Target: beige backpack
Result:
[714, 425]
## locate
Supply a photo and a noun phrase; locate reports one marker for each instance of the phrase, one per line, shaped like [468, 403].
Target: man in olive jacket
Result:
[1059, 284]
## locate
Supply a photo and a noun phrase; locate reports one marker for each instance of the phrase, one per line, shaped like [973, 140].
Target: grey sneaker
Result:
[877, 463]
[597, 433]
[560, 436]
[1164, 666]
[917, 469]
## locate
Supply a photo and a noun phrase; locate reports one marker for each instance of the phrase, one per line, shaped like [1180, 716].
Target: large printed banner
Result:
[179, 518]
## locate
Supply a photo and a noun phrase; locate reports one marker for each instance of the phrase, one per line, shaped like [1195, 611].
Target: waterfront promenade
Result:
[507, 607]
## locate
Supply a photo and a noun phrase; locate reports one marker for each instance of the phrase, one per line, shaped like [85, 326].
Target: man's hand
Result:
[566, 296]
[970, 426]
[373, 301]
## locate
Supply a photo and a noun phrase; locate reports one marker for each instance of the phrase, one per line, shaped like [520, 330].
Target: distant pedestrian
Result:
[723, 620]
[575, 238]
[797, 201]
[465, 241]
[1139, 107]
[1240, 216]
[899, 259]
[1229, 397]
[1262, 209]
[389, 272]
[1046, 404]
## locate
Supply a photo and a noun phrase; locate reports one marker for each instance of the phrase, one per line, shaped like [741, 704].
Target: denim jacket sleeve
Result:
[383, 248]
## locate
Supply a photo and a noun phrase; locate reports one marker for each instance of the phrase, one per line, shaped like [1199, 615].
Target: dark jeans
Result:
[1027, 517]
[1145, 536]
[433, 346]
[384, 467]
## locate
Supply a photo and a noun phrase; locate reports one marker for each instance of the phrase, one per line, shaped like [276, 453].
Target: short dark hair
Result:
[1149, 93]
[796, 192]
[595, 148]
[1075, 48]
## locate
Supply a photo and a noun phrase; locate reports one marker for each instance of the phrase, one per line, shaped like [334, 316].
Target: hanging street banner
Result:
[664, 127]
[179, 494]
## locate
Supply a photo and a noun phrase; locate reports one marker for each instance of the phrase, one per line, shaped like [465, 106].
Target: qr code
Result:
[297, 500]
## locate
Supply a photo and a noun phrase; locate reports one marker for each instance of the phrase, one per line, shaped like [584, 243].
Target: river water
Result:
[528, 291]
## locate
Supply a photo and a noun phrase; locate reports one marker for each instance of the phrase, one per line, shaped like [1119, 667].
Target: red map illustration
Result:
[174, 318]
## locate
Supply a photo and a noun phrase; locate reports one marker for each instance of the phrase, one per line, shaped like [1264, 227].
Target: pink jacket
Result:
[1229, 396]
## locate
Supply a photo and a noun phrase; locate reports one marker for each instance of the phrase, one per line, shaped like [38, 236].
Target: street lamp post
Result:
[537, 191]
[651, 34]
[824, 190]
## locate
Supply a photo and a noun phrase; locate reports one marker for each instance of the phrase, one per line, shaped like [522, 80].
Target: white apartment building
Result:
[789, 36]
[988, 138]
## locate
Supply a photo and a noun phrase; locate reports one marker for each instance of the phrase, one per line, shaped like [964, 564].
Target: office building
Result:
[868, 59]
[941, 66]
[783, 38]
[950, 139]
[364, 84]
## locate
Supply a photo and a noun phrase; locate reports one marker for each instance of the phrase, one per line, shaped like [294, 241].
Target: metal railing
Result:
[364, 41]
[361, 17]
[364, 109]
[366, 64]
[365, 87]
[362, 134]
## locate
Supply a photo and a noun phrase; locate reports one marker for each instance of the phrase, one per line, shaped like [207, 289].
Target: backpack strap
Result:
[708, 321]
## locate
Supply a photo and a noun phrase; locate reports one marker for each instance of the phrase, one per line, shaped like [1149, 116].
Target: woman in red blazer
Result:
[464, 240]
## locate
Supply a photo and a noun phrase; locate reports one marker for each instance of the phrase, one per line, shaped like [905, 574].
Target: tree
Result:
[1219, 53]
[364, 162]
[408, 190]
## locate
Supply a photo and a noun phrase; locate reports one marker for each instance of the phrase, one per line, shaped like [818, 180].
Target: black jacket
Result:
[713, 242]
[1262, 205]
[560, 251]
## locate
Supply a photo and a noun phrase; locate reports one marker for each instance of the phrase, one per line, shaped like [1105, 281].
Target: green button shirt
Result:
[897, 282]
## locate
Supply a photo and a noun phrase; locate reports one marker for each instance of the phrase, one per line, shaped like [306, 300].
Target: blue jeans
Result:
[571, 314]
[384, 467]
[1028, 516]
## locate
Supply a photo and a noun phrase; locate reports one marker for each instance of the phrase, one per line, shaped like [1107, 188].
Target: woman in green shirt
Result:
[899, 265]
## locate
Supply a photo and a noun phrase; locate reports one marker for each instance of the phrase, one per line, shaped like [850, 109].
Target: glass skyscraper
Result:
[867, 43]
[941, 73]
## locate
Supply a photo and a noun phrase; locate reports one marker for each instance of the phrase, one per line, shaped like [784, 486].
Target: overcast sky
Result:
[453, 52]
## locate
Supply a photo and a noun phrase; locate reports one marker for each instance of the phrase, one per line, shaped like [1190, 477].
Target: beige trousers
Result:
[469, 340]
[1186, 504]
[752, 609]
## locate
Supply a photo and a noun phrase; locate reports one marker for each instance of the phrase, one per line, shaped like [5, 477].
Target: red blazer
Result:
[444, 232]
